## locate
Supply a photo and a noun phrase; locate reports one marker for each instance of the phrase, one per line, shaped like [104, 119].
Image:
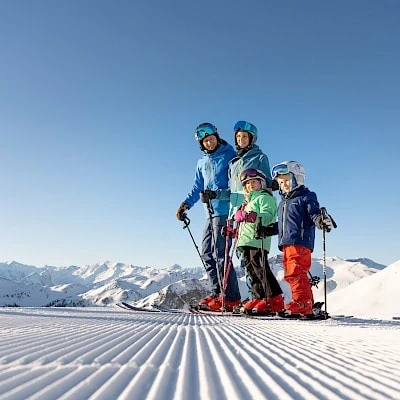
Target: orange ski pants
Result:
[297, 263]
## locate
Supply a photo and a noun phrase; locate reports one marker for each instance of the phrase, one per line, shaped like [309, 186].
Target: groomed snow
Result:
[110, 353]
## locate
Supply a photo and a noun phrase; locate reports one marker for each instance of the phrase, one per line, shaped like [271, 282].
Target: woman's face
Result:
[242, 139]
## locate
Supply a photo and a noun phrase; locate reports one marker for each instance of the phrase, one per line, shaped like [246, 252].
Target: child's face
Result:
[284, 182]
[252, 184]
[242, 139]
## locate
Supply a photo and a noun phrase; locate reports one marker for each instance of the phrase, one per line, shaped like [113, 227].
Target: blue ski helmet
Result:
[246, 127]
[203, 130]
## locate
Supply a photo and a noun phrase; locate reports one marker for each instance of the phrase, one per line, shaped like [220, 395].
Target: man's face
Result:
[210, 142]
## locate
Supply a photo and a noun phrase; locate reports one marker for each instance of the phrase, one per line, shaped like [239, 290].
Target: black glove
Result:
[274, 185]
[207, 195]
[325, 223]
[181, 212]
[265, 231]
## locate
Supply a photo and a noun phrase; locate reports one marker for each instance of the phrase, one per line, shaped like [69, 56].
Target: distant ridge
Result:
[108, 282]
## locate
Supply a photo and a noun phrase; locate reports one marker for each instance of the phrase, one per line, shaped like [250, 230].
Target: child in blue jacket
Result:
[298, 215]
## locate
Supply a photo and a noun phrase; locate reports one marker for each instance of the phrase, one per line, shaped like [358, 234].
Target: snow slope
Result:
[373, 296]
[109, 353]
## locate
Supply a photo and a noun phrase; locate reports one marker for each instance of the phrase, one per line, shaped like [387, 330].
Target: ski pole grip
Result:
[186, 222]
[324, 214]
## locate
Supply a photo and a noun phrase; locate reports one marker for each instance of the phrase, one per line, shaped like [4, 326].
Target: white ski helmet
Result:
[293, 167]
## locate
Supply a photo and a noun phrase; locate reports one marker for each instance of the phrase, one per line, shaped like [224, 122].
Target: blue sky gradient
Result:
[99, 101]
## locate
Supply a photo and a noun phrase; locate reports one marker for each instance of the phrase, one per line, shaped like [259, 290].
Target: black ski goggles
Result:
[250, 173]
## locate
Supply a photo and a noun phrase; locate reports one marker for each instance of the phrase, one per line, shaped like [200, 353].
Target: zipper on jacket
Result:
[302, 230]
[283, 219]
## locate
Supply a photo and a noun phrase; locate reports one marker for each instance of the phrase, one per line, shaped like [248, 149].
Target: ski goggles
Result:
[245, 126]
[250, 173]
[280, 169]
[204, 130]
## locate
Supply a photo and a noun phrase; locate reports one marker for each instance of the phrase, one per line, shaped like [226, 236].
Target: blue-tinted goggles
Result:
[250, 173]
[245, 126]
[204, 130]
[280, 169]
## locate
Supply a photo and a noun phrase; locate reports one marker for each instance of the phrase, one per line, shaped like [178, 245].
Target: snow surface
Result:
[109, 353]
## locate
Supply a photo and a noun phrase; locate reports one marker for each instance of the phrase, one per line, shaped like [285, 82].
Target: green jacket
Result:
[264, 204]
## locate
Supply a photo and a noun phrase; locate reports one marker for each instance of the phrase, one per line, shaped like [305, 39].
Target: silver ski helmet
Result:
[246, 127]
[293, 167]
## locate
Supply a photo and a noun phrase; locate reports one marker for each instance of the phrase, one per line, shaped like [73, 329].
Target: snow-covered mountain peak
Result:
[109, 282]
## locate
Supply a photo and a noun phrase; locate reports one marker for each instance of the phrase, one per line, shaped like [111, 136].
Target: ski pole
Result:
[226, 258]
[324, 216]
[230, 262]
[261, 236]
[324, 268]
[186, 223]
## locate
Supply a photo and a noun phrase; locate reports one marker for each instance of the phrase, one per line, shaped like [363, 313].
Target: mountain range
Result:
[109, 282]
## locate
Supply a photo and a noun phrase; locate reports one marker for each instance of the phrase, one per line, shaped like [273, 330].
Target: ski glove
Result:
[181, 212]
[325, 223]
[274, 185]
[265, 231]
[243, 216]
[207, 195]
[228, 231]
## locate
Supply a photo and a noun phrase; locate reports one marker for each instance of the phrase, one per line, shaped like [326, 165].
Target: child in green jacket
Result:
[258, 211]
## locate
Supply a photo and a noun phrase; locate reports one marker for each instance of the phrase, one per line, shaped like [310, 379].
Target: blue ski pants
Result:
[213, 254]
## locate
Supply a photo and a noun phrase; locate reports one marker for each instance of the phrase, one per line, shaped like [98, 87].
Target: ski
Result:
[200, 310]
[121, 306]
[203, 310]
[298, 317]
[156, 308]
[198, 307]
[128, 306]
[167, 310]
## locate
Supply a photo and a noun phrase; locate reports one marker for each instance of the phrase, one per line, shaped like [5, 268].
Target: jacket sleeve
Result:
[223, 194]
[264, 167]
[198, 185]
[313, 206]
[267, 210]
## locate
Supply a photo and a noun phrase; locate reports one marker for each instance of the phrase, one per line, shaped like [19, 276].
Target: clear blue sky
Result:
[99, 101]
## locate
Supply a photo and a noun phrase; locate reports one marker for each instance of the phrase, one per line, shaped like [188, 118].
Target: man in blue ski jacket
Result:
[212, 175]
